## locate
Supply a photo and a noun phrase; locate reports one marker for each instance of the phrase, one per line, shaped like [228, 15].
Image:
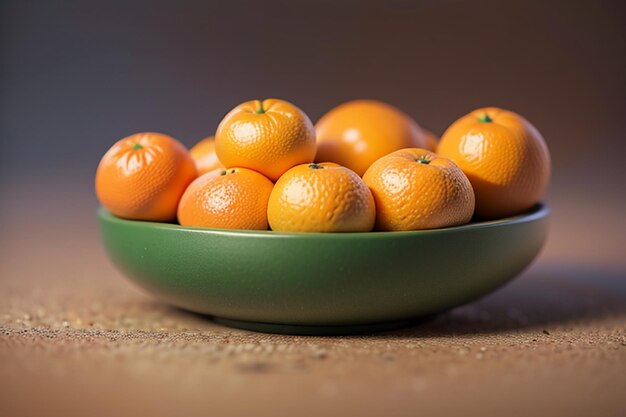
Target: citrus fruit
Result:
[234, 198]
[430, 140]
[322, 197]
[357, 133]
[269, 136]
[203, 154]
[143, 176]
[504, 157]
[416, 189]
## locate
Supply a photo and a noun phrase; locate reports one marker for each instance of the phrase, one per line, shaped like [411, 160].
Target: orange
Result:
[504, 157]
[357, 133]
[143, 176]
[322, 197]
[416, 189]
[269, 136]
[203, 154]
[235, 198]
[430, 140]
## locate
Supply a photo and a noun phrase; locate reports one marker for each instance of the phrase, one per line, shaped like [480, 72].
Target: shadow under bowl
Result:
[322, 283]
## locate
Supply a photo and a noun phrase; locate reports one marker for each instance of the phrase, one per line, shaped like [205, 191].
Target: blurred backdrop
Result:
[78, 75]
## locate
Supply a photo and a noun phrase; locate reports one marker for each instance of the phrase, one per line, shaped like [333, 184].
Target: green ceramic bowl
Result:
[322, 283]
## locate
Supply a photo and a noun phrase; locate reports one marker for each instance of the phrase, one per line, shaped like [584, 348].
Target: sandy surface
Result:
[76, 339]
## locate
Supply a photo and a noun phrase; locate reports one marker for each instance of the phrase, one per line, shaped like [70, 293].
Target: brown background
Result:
[77, 76]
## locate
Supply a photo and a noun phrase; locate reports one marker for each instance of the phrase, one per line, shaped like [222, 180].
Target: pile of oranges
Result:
[364, 166]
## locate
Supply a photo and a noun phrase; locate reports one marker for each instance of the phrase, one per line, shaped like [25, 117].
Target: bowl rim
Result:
[537, 212]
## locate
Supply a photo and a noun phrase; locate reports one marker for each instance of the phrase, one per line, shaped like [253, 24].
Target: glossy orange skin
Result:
[142, 177]
[430, 141]
[416, 189]
[357, 133]
[203, 154]
[269, 137]
[322, 197]
[235, 198]
[506, 160]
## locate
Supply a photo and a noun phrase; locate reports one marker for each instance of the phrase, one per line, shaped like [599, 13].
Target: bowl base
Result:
[306, 330]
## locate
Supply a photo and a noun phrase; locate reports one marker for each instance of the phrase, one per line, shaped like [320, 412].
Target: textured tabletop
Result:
[77, 339]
